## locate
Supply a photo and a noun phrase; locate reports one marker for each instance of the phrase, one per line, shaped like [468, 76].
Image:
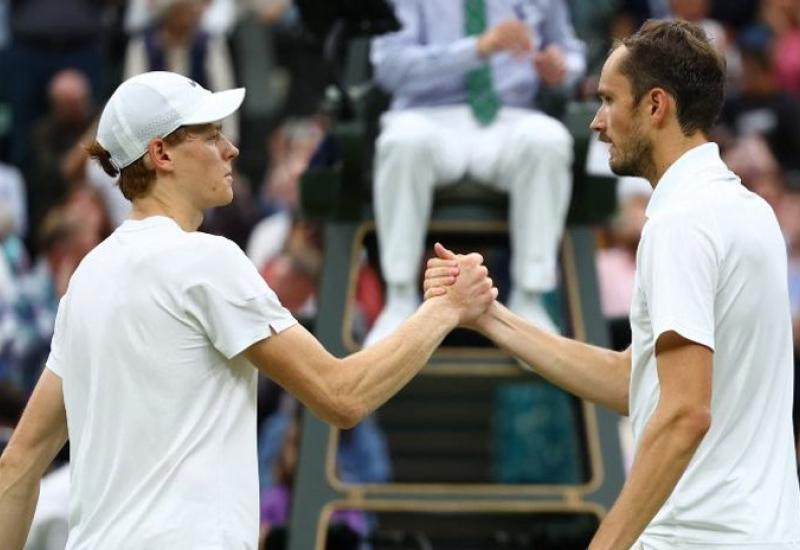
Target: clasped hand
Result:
[461, 279]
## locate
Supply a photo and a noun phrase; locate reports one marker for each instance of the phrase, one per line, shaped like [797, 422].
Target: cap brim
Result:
[215, 107]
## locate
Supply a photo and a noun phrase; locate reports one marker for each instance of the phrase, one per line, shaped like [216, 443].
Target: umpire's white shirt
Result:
[711, 266]
[161, 406]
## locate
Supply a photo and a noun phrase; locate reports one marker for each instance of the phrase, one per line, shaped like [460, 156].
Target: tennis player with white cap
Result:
[150, 373]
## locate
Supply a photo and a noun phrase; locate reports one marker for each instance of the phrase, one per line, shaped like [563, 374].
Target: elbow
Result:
[346, 413]
[390, 77]
[344, 407]
[693, 423]
[700, 422]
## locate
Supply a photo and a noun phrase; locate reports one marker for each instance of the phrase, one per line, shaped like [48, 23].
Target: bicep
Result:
[42, 430]
[684, 372]
[297, 361]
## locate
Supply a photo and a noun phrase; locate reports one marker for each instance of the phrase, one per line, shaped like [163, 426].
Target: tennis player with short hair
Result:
[150, 373]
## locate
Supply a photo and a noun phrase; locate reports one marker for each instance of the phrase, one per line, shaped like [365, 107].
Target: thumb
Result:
[443, 253]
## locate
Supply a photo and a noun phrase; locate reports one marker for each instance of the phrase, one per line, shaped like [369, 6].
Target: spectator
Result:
[47, 37]
[783, 19]
[463, 82]
[219, 18]
[697, 11]
[66, 235]
[14, 198]
[761, 108]
[362, 457]
[71, 113]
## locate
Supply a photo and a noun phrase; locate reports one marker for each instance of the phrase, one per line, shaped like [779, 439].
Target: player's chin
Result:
[222, 197]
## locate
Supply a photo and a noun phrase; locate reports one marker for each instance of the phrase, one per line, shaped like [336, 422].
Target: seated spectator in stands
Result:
[698, 11]
[783, 19]
[14, 198]
[71, 114]
[66, 235]
[48, 36]
[176, 42]
[294, 272]
[362, 458]
[761, 108]
[463, 77]
[218, 18]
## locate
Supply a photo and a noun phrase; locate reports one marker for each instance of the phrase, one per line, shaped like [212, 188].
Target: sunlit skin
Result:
[191, 176]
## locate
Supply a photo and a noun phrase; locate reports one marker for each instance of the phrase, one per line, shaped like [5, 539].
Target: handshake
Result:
[460, 283]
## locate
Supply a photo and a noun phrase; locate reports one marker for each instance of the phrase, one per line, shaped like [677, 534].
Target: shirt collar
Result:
[147, 223]
[675, 180]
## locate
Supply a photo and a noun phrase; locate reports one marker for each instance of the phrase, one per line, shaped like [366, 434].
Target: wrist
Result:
[484, 46]
[442, 312]
[483, 322]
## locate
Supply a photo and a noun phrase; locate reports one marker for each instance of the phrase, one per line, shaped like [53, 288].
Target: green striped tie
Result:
[480, 94]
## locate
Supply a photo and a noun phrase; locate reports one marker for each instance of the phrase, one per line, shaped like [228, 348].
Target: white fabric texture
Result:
[711, 266]
[523, 153]
[161, 406]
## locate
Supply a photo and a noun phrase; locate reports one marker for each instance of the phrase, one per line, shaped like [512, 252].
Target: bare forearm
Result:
[665, 452]
[343, 391]
[592, 373]
[40, 434]
[375, 374]
[19, 492]
[17, 505]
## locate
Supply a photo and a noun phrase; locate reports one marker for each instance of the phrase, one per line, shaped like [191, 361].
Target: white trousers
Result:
[524, 153]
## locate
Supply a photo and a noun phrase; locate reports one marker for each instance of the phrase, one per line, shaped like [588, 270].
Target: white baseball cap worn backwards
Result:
[153, 105]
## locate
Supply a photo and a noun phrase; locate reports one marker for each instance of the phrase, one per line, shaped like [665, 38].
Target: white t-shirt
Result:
[161, 406]
[711, 266]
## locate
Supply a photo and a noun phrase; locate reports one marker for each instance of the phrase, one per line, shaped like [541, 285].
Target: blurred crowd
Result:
[61, 59]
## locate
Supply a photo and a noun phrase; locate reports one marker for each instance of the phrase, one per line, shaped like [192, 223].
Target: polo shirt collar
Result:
[677, 178]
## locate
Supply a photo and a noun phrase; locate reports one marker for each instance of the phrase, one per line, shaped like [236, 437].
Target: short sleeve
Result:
[55, 359]
[679, 267]
[231, 301]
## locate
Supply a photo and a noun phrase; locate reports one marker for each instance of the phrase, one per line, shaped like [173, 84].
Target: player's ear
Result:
[158, 155]
[660, 105]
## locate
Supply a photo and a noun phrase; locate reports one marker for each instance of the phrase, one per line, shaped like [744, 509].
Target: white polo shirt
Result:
[711, 266]
[161, 406]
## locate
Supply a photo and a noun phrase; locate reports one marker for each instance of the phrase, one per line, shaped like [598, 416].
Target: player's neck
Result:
[189, 219]
[670, 150]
